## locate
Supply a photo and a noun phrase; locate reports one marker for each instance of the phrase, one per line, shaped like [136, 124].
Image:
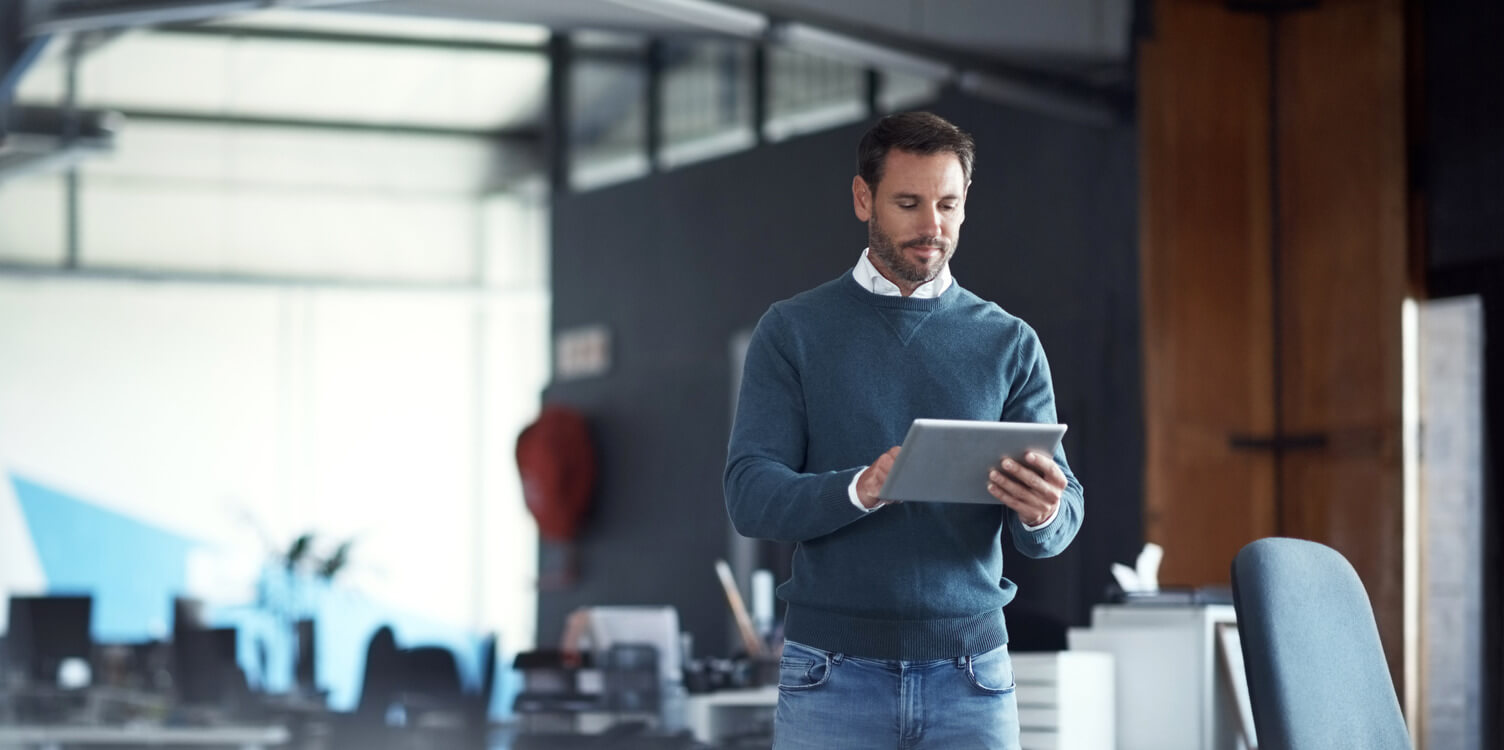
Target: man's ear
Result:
[861, 198]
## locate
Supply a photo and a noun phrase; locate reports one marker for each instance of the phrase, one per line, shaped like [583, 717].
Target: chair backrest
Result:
[1317, 677]
[383, 674]
[487, 671]
[433, 673]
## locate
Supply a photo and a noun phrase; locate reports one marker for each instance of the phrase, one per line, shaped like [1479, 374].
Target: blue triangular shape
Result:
[904, 323]
[132, 569]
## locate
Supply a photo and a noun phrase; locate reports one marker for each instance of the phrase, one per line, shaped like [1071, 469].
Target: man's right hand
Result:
[872, 479]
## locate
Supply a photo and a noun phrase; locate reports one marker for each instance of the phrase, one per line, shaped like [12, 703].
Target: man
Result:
[894, 635]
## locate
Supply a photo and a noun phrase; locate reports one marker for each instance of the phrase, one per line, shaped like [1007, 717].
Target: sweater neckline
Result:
[925, 304]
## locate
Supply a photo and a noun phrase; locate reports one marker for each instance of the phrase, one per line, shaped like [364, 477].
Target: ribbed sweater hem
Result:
[906, 640]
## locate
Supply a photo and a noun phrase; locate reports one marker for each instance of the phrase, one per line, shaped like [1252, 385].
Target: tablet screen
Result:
[948, 460]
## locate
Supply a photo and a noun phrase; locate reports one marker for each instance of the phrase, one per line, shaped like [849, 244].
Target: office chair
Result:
[480, 706]
[422, 679]
[1317, 677]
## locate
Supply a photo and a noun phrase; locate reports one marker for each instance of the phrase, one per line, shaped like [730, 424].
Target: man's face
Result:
[914, 217]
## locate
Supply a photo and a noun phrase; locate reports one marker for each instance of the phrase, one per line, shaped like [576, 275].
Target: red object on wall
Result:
[556, 460]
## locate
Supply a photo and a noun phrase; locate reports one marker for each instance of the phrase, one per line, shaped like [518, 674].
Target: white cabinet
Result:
[1064, 700]
[716, 717]
[1171, 691]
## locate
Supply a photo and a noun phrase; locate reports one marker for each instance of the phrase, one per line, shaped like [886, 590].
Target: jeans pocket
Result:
[991, 672]
[802, 667]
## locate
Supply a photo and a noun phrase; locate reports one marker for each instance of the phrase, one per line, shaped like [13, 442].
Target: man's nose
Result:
[933, 221]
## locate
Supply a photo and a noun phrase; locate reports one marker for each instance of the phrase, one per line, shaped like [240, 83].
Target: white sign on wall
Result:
[582, 352]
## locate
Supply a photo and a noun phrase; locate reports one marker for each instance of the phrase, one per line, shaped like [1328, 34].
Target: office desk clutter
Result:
[1139, 585]
[626, 677]
[611, 698]
[615, 666]
[1143, 577]
[59, 688]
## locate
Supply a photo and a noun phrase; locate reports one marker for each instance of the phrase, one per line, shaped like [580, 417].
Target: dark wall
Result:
[678, 263]
[1460, 176]
[1462, 159]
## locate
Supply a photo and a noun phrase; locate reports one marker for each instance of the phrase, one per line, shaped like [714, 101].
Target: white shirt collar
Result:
[873, 281]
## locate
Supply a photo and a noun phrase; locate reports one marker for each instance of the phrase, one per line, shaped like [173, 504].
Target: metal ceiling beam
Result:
[520, 136]
[759, 108]
[557, 140]
[88, 272]
[71, 16]
[390, 40]
[334, 37]
[653, 92]
[17, 52]
[49, 138]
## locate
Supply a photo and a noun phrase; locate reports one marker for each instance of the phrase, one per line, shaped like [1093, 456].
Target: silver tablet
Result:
[947, 460]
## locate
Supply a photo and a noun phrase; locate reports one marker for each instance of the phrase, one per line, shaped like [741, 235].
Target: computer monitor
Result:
[188, 614]
[43, 632]
[304, 670]
[205, 670]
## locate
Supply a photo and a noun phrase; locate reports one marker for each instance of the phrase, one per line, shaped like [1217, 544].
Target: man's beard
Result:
[891, 255]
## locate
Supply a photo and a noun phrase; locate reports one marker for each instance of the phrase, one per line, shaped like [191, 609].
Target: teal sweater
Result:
[833, 378]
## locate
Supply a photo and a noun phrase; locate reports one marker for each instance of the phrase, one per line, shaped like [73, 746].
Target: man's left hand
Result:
[1032, 488]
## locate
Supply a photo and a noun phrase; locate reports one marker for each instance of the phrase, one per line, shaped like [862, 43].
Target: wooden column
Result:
[1207, 303]
[1274, 238]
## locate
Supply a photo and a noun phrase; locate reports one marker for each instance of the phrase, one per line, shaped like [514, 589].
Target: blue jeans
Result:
[830, 701]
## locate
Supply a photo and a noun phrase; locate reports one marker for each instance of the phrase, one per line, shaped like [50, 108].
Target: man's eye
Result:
[947, 207]
[907, 205]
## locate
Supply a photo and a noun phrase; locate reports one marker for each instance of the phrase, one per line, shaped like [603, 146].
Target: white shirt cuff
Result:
[851, 493]
[1042, 524]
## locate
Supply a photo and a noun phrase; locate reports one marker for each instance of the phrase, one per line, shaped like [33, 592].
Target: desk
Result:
[55, 737]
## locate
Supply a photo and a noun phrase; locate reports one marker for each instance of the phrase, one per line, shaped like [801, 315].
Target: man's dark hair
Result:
[916, 132]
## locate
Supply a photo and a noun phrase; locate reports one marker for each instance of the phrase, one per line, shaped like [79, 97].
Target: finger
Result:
[1024, 507]
[1057, 477]
[1031, 503]
[1048, 469]
[1025, 475]
[998, 492]
[1012, 487]
[1042, 483]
